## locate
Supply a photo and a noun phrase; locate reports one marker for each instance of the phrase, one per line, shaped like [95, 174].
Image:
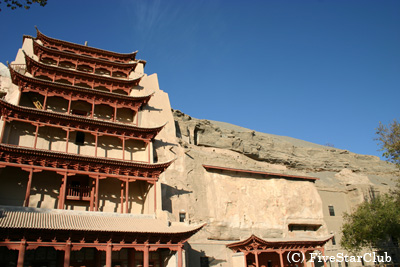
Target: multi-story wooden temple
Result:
[78, 179]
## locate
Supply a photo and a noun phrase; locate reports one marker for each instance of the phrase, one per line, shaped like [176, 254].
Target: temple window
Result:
[182, 216]
[102, 71]
[333, 240]
[85, 68]
[79, 112]
[78, 188]
[119, 74]
[304, 227]
[66, 64]
[49, 61]
[80, 138]
[331, 210]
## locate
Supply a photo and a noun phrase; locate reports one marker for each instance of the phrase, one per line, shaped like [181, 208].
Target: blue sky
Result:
[325, 71]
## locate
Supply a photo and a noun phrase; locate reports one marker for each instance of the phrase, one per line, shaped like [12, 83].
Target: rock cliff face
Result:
[235, 206]
[290, 152]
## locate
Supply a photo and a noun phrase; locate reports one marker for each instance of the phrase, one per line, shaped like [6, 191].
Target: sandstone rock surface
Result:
[234, 206]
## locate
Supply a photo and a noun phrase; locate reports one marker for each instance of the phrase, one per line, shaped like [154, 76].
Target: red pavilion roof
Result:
[257, 243]
[83, 49]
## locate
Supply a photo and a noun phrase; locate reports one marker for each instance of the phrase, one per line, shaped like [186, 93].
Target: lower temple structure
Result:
[44, 237]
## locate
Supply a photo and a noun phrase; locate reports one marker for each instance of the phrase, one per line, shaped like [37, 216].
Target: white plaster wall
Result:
[238, 259]
[45, 190]
[12, 186]
[57, 104]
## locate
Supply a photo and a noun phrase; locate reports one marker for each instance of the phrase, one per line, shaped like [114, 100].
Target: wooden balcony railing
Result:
[78, 193]
[21, 68]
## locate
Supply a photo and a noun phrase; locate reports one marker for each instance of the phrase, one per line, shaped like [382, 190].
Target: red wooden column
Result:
[122, 197]
[67, 254]
[109, 254]
[36, 136]
[146, 256]
[3, 129]
[127, 197]
[155, 196]
[115, 113]
[96, 201]
[92, 115]
[123, 146]
[280, 252]
[67, 141]
[96, 141]
[303, 252]
[92, 192]
[45, 100]
[28, 188]
[21, 253]
[148, 143]
[69, 104]
[63, 190]
[180, 258]
[256, 252]
[323, 254]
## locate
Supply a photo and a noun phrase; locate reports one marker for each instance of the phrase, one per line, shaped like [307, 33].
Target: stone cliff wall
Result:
[235, 207]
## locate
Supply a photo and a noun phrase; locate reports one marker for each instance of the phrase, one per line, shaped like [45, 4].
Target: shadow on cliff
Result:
[200, 258]
[151, 108]
[168, 192]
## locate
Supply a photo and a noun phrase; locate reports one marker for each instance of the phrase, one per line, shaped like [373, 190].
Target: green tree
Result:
[377, 221]
[14, 4]
[372, 224]
[388, 137]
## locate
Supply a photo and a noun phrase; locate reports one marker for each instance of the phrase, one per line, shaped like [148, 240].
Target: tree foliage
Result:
[388, 137]
[14, 4]
[372, 224]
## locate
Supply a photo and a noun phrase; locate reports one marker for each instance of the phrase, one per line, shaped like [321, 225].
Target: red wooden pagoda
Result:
[77, 172]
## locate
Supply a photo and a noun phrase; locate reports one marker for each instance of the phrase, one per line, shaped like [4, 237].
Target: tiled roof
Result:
[48, 219]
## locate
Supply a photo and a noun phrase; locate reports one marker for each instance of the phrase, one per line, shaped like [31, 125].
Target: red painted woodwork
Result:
[45, 53]
[69, 92]
[74, 77]
[76, 123]
[21, 253]
[83, 84]
[57, 161]
[256, 247]
[28, 189]
[84, 50]
[67, 254]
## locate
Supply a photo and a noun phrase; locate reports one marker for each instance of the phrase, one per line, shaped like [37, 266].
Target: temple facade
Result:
[78, 178]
